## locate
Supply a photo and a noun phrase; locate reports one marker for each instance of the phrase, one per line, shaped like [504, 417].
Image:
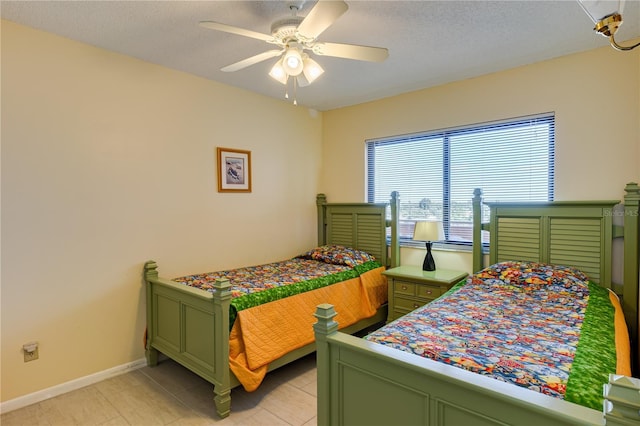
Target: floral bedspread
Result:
[255, 285]
[521, 323]
[253, 279]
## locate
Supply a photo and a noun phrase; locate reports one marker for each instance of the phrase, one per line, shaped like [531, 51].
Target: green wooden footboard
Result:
[363, 383]
[191, 327]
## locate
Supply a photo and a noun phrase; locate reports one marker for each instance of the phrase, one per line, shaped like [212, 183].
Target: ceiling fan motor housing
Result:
[285, 28]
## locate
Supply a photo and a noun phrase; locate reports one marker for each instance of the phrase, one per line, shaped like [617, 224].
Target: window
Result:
[436, 172]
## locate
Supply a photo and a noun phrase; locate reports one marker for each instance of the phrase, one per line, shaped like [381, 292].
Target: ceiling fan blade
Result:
[323, 14]
[235, 30]
[252, 60]
[351, 51]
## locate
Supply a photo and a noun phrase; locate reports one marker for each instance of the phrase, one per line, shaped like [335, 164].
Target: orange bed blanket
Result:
[266, 332]
[623, 346]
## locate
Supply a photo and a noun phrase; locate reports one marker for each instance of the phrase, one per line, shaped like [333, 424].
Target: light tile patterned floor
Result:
[171, 395]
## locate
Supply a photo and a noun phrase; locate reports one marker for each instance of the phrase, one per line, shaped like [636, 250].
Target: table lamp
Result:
[428, 231]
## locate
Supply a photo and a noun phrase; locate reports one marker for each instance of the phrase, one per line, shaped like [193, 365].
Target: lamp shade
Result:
[311, 70]
[428, 231]
[607, 15]
[292, 61]
[278, 73]
[599, 9]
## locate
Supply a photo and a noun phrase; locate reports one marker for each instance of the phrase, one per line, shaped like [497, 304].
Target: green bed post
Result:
[324, 327]
[321, 201]
[150, 273]
[631, 259]
[221, 302]
[395, 223]
[477, 230]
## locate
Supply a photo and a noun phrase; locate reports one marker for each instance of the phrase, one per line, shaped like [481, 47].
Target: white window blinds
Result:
[436, 172]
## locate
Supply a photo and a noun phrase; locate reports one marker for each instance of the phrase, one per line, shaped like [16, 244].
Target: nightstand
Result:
[410, 287]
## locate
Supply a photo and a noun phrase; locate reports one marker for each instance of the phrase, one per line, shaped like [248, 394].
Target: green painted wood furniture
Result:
[410, 287]
[191, 326]
[363, 383]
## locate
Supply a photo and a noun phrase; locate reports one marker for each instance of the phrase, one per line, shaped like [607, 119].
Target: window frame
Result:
[446, 134]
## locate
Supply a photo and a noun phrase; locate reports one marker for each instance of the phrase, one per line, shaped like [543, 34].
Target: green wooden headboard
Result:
[570, 233]
[359, 225]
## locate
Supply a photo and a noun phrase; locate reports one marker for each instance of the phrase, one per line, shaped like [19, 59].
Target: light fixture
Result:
[307, 70]
[297, 66]
[311, 70]
[607, 16]
[428, 231]
[278, 72]
[292, 60]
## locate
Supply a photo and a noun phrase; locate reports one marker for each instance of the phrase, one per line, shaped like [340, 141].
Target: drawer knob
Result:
[415, 305]
[429, 291]
[404, 287]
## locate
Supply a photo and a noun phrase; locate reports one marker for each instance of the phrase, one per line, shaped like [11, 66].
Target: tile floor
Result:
[171, 395]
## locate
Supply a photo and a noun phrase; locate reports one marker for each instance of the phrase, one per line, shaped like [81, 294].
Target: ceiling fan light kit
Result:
[292, 60]
[278, 73]
[294, 36]
[312, 69]
[607, 17]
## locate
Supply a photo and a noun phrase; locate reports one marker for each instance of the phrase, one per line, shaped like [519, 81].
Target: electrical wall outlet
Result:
[30, 351]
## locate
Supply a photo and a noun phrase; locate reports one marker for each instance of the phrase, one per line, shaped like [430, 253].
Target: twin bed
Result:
[232, 335]
[520, 342]
[379, 379]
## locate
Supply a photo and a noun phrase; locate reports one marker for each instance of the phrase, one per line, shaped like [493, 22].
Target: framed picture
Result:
[234, 170]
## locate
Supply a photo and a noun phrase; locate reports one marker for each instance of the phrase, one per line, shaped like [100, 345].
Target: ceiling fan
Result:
[295, 37]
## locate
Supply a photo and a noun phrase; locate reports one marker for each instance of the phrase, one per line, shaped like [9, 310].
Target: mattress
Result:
[271, 303]
[546, 328]
[255, 285]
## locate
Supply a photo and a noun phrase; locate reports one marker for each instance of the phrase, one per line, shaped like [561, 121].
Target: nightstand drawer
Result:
[404, 287]
[430, 292]
[411, 288]
[407, 304]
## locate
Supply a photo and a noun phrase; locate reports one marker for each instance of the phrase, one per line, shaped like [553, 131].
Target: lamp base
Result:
[429, 264]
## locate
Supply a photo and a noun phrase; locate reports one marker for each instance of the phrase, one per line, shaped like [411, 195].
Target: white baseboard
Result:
[72, 385]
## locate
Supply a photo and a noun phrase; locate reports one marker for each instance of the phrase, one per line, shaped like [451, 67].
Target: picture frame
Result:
[234, 170]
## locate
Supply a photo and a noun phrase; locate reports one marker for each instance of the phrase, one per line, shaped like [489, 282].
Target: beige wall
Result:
[595, 96]
[107, 162]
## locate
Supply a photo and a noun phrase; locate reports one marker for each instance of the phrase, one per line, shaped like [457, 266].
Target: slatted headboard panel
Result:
[359, 225]
[581, 243]
[519, 239]
[578, 234]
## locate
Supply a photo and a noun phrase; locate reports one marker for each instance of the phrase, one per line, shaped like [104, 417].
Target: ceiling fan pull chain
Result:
[286, 88]
[295, 90]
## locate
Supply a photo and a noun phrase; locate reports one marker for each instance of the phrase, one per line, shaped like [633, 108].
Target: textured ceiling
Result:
[430, 42]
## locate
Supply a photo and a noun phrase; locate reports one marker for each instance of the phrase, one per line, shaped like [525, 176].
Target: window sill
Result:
[450, 247]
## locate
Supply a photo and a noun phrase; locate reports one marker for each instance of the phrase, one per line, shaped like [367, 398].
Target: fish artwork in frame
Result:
[234, 170]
